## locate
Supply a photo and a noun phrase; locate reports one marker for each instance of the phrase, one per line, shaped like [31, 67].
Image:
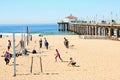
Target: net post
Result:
[41, 65]
[14, 54]
[31, 64]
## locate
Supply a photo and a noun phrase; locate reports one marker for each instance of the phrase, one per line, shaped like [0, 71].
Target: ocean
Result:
[45, 29]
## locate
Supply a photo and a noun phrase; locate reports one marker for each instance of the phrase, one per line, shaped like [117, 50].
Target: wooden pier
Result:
[107, 31]
[63, 26]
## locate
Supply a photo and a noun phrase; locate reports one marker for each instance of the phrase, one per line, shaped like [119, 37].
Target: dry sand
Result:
[97, 60]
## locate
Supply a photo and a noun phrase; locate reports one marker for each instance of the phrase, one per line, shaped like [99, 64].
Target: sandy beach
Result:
[97, 59]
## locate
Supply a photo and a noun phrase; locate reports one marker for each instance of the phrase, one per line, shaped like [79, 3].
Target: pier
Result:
[91, 30]
[63, 26]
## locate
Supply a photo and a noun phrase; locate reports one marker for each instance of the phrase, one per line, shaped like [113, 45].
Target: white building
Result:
[70, 18]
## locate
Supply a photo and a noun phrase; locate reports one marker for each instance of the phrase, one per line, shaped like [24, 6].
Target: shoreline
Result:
[34, 34]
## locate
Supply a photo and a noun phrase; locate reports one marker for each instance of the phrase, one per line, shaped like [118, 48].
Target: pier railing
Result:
[97, 37]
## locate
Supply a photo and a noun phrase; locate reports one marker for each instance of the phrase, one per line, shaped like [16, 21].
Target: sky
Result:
[50, 11]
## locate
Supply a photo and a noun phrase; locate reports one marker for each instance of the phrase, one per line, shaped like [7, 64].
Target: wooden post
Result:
[93, 30]
[41, 65]
[110, 32]
[88, 29]
[117, 33]
[100, 31]
[96, 32]
[67, 26]
[31, 65]
[64, 27]
[59, 27]
[104, 31]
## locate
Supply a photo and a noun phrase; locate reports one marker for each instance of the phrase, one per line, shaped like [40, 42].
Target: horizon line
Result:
[24, 23]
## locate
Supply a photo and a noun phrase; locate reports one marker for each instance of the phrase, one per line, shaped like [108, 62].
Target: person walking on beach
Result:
[9, 45]
[57, 55]
[66, 43]
[46, 44]
[40, 43]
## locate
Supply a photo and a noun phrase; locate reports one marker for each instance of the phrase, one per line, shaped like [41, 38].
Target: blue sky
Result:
[50, 11]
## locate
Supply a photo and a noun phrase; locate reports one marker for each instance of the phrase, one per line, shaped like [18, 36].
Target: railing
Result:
[98, 37]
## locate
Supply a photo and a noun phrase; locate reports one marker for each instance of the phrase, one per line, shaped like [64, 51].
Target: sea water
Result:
[45, 29]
